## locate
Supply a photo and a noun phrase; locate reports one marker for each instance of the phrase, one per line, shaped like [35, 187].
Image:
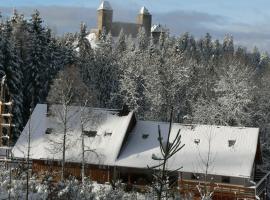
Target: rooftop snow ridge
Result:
[144, 10]
[105, 5]
[157, 28]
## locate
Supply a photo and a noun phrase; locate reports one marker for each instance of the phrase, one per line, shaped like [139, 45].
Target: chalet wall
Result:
[220, 191]
[104, 174]
[141, 177]
[218, 179]
[100, 174]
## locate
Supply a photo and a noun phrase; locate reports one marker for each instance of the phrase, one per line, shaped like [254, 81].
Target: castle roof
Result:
[157, 28]
[105, 5]
[144, 11]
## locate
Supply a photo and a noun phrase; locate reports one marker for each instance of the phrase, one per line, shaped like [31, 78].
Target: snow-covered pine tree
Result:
[228, 46]
[85, 56]
[167, 73]
[120, 46]
[12, 69]
[37, 61]
[142, 39]
[234, 94]
[207, 48]
[67, 52]
[132, 80]
[105, 72]
[21, 37]
[162, 185]
[1, 49]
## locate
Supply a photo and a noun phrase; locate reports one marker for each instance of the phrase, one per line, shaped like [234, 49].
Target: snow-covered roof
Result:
[93, 40]
[157, 28]
[232, 149]
[144, 11]
[235, 160]
[105, 5]
[109, 126]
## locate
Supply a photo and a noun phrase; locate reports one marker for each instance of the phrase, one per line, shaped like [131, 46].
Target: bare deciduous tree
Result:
[67, 90]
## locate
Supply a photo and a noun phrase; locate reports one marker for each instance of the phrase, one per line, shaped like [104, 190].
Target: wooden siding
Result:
[222, 191]
[139, 179]
[100, 174]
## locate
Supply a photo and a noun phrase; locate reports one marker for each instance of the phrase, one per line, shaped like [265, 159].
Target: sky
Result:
[248, 21]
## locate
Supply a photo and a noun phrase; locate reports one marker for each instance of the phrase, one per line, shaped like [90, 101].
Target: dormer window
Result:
[197, 141]
[90, 133]
[145, 136]
[48, 131]
[107, 133]
[231, 143]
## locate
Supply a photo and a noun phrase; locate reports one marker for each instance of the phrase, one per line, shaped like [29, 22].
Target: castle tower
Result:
[105, 15]
[144, 19]
[156, 32]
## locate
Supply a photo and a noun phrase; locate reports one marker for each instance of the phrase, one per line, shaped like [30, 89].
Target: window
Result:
[102, 167]
[231, 143]
[48, 131]
[194, 177]
[145, 136]
[197, 141]
[107, 133]
[225, 179]
[90, 133]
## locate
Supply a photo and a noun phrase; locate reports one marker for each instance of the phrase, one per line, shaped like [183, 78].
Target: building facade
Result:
[124, 147]
[105, 22]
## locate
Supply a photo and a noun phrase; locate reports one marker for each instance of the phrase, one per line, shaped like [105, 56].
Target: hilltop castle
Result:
[105, 21]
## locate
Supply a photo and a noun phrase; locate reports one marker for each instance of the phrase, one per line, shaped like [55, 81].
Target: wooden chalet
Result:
[222, 159]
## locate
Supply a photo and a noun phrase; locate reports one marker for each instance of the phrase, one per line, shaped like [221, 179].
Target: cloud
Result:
[67, 19]
[60, 19]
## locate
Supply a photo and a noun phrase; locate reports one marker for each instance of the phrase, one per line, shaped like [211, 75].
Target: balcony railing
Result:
[220, 190]
[262, 185]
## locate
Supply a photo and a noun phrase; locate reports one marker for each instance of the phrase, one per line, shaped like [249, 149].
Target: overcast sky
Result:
[247, 20]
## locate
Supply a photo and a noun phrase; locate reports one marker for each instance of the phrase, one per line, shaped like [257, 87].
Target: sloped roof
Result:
[144, 11]
[105, 5]
[235, 161]
[111, 130]
[232, 149]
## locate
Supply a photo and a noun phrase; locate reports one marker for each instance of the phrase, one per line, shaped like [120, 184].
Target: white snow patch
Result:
[105, 5]
[157, 28]
[48, 146]
[93, 40]
[235, 161]
[144, 11]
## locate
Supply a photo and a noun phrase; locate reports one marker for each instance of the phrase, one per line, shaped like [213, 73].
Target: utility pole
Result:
[28, 155]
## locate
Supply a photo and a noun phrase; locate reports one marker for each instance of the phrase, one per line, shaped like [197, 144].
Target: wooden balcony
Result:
[221, 191]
